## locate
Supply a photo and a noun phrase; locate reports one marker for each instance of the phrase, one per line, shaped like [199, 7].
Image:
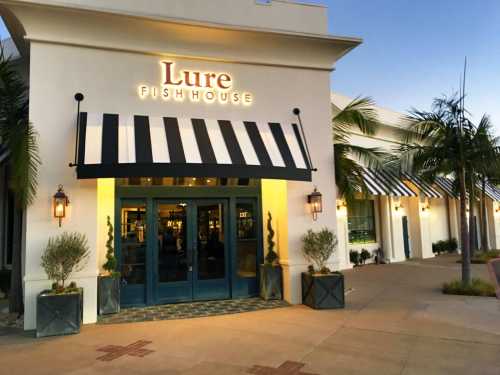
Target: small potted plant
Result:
[60, 310]
[321, 288]
[364, 256]
[354, 257]
[271, 274]
[108, 284]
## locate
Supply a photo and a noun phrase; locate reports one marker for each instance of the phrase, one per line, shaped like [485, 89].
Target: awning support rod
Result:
[79, 98]
[296, 112]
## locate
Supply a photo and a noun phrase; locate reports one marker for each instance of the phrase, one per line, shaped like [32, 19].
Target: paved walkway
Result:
[396, 322]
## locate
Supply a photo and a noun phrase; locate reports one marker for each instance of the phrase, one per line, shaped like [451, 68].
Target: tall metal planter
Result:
[323, 291]
[59, 314]
[271, 282]
[108, 293]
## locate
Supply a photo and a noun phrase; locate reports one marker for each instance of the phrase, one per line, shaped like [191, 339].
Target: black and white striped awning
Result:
[111, 145]
[386, 183]
[490, 190]
[447, 185]
[425, 188]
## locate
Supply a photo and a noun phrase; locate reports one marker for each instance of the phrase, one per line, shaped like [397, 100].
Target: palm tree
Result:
[350, 159]
[435, 144]
[20, 139]
[484, 162]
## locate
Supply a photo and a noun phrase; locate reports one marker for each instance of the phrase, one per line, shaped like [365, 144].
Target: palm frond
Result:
[17, 134]
[360, 113]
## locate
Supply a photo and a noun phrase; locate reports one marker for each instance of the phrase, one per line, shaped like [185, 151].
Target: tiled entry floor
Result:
[190, 310]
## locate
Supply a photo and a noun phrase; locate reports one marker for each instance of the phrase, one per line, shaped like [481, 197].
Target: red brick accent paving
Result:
[135, 349]
[287, 368]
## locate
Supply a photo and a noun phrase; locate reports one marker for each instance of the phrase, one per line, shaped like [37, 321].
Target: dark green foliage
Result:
[364, 256]
[445, 246]
[271, 256]
[476, 287]
[452, 245]
[17, 133]
[354, 257]
[349, 158]
[64, 255]
[111, 262]
[484, 257]
[318, 247]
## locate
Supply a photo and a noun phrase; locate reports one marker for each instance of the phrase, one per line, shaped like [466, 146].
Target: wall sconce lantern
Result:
[61, 201]
[341, 204]
[397, 205]
[426, 206]
[315, 199]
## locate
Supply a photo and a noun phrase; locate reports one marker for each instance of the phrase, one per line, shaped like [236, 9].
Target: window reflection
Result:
[211, 246]
[172, 243]
[133, 243]
[186, 181]
[246, 240]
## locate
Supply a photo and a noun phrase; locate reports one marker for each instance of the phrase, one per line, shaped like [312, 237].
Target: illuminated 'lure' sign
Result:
[195, 86]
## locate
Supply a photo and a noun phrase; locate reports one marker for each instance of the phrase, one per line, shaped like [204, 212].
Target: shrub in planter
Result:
[108, 285]
[364, 256]
[271, 274]
[321, 288]
[354, 257]
[452, 245]
[60, 310]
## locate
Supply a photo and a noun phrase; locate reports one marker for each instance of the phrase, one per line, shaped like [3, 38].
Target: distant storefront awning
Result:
[381, 182]
[424, 187]
[447, 186]
[111, 145]
[490, 190]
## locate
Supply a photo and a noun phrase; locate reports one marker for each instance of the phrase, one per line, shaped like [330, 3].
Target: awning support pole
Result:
[296, 112]
[79, 98]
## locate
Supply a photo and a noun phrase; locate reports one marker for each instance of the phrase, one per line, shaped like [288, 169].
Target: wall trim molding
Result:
[34, 39]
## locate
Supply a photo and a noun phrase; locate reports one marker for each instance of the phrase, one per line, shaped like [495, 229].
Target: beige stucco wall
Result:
[278, 14]
[109, 77]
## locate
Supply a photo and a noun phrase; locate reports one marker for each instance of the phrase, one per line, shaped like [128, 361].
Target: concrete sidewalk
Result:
[396, 322]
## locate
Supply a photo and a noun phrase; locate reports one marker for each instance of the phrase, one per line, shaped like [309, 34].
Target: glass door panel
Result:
[211, 245]
[172, 243]
[173, 252]
[246, 239]
[133, 250]
[211, 250]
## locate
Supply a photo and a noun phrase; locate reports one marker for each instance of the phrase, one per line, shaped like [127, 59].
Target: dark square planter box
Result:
[323, 291]
[271, 282]
[59, 314]
[108, 294]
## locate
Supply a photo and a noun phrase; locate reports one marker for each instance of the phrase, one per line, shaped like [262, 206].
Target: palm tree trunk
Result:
[484, 219]
[464, 233]
[16, 303]
[472, 223]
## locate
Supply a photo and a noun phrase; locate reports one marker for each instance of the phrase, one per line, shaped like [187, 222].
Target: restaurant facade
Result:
[402, 216]
[185, 123]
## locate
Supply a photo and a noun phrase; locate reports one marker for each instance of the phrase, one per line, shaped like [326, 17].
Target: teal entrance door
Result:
[190, 253]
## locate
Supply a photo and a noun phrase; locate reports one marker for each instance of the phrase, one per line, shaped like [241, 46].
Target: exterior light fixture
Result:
[61, 201]
[341, 204]
[426, 207]
[397, 205]
[315, 199]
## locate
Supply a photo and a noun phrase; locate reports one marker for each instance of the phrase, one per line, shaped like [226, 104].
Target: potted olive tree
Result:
[108, 284]
[60, 309]
[271, 274]
[321, 288]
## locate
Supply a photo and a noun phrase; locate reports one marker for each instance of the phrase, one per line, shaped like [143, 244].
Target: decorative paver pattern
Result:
[190, 310]
[287, 368]
[134, 350]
